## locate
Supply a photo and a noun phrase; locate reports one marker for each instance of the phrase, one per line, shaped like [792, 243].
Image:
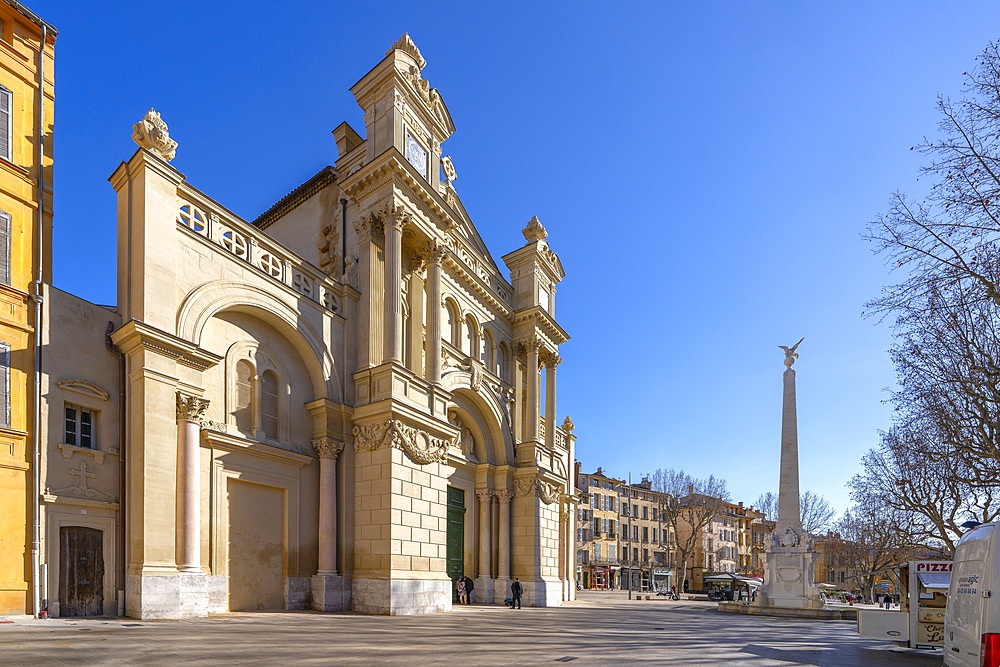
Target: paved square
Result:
[601, 628]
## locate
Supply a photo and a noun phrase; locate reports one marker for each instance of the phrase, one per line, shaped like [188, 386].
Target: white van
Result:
[972, 619]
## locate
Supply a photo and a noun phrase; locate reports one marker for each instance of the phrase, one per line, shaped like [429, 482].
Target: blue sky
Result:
[705, 171]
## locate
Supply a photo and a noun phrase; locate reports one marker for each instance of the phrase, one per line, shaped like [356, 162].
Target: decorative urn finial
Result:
[534, 231]
[151, 133]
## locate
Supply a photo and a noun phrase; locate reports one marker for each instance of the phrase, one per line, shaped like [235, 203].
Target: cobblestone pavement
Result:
[601, 628]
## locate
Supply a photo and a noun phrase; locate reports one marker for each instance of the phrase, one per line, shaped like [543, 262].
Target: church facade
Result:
[344, 404]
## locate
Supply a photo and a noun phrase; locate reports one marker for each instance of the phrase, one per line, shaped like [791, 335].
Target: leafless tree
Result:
[814, 510]
[951, 236]
[689, 507]
[869, 538]
[912, 473]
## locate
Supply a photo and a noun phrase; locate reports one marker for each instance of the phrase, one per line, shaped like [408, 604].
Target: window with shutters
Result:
[79, 427]
[4, 247]
[6, 138]
[5, 384]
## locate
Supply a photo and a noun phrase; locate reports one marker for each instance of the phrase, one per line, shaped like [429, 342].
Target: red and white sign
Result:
[932, 566]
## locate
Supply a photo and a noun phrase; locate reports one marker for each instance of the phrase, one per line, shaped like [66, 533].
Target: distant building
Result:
[646, 539]
[598, 525]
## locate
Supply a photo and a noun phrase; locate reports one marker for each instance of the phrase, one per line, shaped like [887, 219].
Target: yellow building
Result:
[26, 75]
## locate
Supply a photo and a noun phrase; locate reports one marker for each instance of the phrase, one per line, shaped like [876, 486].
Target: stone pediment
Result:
[84, 388]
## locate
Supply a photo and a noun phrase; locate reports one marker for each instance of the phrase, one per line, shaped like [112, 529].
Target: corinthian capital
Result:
[327, 448]
[484, 495]
[191, 408]
[552, 361]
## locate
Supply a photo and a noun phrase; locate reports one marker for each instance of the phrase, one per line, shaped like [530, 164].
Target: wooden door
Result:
[456, 537]
[81, 571]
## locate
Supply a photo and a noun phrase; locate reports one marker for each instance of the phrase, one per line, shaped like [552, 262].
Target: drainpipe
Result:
[120, 569]
[36, 296]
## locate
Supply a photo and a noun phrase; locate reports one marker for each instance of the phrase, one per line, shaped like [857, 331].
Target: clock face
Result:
[416, 155]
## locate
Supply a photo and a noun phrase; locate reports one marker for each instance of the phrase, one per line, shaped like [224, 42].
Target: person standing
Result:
[516, 590]
[460, 590]
[469, 585]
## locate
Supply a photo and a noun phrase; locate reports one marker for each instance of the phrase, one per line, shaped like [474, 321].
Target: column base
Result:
[400, 597]
[483, 592]
[330, 592]
[501, 589]
[179, 596]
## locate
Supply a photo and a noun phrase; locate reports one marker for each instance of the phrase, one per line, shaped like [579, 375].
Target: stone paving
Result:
[601, 628]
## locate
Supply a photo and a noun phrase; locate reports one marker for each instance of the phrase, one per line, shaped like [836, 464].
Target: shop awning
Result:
[935, 580]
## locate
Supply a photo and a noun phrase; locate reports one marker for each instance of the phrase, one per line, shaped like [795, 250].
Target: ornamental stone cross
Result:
[83, 474]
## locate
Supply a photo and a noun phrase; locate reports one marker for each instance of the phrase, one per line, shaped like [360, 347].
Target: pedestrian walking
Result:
[460, 590]
[516, 590]
[469, 585]
[887, 600]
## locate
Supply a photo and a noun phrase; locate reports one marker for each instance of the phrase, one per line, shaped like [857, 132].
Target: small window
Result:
[79, 429]
[6, 139]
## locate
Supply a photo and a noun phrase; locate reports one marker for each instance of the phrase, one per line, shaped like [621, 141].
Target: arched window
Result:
[243, 412]
[502, 356]
[453, 331]
[471, 346]
[488, 347]
[269, 394]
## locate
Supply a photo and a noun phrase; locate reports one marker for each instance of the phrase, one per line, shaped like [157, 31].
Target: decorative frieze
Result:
[327, 448]
[418, 445]
[527, 486]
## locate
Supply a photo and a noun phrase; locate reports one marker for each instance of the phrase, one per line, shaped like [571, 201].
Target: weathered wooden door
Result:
[456, 536]
[81, 571]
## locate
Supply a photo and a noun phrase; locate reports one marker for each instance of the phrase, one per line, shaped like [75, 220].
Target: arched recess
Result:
[453, 323]
[471, 343]
[493, 416]
[210, 299]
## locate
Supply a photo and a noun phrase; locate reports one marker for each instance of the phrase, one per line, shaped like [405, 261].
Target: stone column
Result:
[503, 553]
[415, 347]
[190, 412]
[328, 451]
[369, 229]
[531, 432]
[550, 400]
[485, 544]
[328, 589]
[393, 280]
[434, 305]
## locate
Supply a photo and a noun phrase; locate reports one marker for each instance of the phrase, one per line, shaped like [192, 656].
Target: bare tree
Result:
[814, 510]
[690, 505]
[931, 493]
[951, 235]
[869, 538]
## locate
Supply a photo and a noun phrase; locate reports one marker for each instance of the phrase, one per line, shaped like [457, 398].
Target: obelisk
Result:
[790, 555]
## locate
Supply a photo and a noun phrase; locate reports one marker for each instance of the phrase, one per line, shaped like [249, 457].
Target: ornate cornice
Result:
[135, 334]
[191, 408]
[327, 448]
[418, 445]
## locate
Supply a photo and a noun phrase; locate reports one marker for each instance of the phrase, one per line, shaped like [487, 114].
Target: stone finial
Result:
[406, 44]
[448, 167]
[568, 425]
[151, 133]
[534, 231]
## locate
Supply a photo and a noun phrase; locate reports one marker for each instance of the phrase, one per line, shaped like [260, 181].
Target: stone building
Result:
[646, 552]
[27, 56]
[599, 523]
[338, 405]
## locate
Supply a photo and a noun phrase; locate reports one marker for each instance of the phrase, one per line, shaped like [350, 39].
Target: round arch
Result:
[491, 415]
[210, 299]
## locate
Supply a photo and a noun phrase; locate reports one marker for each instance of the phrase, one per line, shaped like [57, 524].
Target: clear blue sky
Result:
[705, 170]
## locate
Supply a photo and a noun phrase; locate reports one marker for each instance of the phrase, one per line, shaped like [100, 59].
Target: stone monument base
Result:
[788, 580]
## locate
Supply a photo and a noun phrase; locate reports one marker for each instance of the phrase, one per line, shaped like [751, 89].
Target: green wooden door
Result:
[456, 536]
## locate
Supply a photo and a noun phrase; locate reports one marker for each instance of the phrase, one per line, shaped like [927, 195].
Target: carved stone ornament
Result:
[568, 425]
[788, 539]
[525, 487]
[327, 448]
[475, 374]
[534, 230]
[191, 408]
[448, 167]
[151, 133]
[210, 425]
[419, 446]
[549, 493]
[504, 495]
[329, 245]
[405, 44]
[484, 495]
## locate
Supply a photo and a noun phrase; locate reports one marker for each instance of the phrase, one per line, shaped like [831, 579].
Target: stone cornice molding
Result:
[231, 443]
[135, 335]
[539, 318]
[418, 445]
[328, 448]
[191, 408]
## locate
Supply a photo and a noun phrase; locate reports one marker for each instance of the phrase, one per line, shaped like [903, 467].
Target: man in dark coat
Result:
[469, 585]
[515, 593]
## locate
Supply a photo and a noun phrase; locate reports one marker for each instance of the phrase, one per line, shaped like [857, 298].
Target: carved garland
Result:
[549, 493]
[421, 447]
